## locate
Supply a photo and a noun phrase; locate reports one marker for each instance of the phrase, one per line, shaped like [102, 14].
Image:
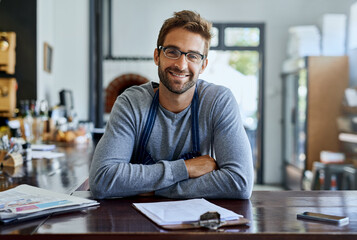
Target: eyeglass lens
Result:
[176, 54]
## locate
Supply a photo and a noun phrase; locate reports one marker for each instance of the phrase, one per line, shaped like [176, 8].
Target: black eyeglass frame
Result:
[181, 52]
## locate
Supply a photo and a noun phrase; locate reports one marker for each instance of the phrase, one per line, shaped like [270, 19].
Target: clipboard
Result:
[211, 219]
[240, 221]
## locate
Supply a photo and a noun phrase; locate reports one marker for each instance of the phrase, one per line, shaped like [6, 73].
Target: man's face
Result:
[179, 75]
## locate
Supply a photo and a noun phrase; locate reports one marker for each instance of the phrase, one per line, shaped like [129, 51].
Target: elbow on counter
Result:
[245, 194]
[97, 190]
[243, 188]
[96, 187]
[101, 188]
[246, 189]
[100, 184]
[242, 192]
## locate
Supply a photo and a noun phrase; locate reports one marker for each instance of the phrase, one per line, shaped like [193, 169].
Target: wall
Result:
[136, 24]
[352, 44]
[45, 33]
[64, 24]
[353, 63]
[20, 17]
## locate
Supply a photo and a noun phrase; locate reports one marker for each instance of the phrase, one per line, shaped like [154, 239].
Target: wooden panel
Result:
[7, 97]
[8, 55]
[20, 17]
[327, 80]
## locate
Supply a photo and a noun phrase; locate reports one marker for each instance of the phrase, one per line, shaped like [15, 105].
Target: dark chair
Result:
[349, 178]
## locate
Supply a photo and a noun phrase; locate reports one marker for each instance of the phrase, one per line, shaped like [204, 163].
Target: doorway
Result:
[236, 60]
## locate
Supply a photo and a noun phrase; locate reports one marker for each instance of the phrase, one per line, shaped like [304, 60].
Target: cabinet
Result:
[312, 101]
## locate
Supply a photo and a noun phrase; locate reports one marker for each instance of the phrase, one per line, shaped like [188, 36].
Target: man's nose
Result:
[181, 62]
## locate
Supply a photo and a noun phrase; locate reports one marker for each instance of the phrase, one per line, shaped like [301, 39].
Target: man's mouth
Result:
[181, 75]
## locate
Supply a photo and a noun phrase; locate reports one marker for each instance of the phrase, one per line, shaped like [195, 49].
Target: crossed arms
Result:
[230, 175]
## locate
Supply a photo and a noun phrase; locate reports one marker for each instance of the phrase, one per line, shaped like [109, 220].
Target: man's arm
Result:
[111, 174]
[234, 176]
[199, 166]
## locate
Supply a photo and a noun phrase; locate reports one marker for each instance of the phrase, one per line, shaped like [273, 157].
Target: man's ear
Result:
[156, 56]
[204, 65]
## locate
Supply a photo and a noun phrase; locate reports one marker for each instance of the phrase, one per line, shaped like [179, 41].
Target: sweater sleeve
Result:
[235, 176]
[111, 174]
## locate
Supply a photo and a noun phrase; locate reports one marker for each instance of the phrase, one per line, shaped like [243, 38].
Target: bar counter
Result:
[272, 214]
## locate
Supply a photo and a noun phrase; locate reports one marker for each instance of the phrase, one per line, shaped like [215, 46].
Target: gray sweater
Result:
[221, 135]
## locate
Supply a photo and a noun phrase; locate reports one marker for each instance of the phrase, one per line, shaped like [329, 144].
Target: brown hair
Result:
[191, 21]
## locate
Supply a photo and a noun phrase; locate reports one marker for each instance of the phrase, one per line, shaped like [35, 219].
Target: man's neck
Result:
[175, 102]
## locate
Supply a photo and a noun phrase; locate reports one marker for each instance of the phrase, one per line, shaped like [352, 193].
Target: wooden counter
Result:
[272, 215]
[63, 174]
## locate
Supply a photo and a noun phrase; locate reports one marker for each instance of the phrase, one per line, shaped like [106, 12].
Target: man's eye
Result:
[172, 52]
[193, 56]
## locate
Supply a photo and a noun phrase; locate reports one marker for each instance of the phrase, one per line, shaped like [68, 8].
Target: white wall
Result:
[45, 33]
[352, 44]
[136, 24]
[64, 24]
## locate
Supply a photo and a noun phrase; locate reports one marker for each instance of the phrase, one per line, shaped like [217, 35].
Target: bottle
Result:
[41, 111]
[333, 186]
[28, 122]
[322, 179]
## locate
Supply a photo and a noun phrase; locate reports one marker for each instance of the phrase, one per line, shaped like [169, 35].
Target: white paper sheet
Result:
[185, 211]
[43, 147]
[46, 154]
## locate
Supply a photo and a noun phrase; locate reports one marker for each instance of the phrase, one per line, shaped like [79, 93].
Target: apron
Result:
[143, 157]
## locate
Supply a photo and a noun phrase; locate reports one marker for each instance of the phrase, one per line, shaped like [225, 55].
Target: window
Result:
[236, 61]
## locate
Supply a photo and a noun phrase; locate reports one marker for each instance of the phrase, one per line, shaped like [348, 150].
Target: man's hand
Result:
[199, 166]
[148, 194]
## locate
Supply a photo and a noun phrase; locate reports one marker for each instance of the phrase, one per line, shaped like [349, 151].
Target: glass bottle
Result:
[28, 122]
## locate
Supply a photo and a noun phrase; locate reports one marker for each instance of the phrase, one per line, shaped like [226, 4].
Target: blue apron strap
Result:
[144, 157]
[194, 124]
[149, 125]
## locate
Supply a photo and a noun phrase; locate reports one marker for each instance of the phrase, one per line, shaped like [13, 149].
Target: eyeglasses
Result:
[174, 53]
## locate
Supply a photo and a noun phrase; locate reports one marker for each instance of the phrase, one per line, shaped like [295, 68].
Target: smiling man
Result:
[181, 138]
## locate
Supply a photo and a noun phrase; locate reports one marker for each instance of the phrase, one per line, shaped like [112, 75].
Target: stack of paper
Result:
[348, 137]
[181, 212]
[46, 154]
[332, 157]
[45, 151]
[351, 97]
[43, 147]
[27, 202]
[333, 30]
[304, 41]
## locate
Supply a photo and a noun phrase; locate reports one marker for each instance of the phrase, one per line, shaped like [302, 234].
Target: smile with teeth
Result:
[179, 75]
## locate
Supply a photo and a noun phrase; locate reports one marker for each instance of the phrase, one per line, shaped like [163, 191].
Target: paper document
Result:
[46, 154]
[180, 212]
[26, 202]
[43, 147]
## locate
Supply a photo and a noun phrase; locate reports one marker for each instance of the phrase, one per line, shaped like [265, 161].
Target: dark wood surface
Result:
[63, 174]
[272, 214]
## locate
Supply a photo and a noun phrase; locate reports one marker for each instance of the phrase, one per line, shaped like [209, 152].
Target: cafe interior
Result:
[291, 65]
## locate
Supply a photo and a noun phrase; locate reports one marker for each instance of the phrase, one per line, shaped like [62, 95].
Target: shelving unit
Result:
[312, 101]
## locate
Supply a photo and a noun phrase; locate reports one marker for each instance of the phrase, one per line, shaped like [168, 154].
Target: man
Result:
[161, 138]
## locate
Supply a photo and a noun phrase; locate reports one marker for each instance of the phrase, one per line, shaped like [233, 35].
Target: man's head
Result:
[182, 50]
[190, 21]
